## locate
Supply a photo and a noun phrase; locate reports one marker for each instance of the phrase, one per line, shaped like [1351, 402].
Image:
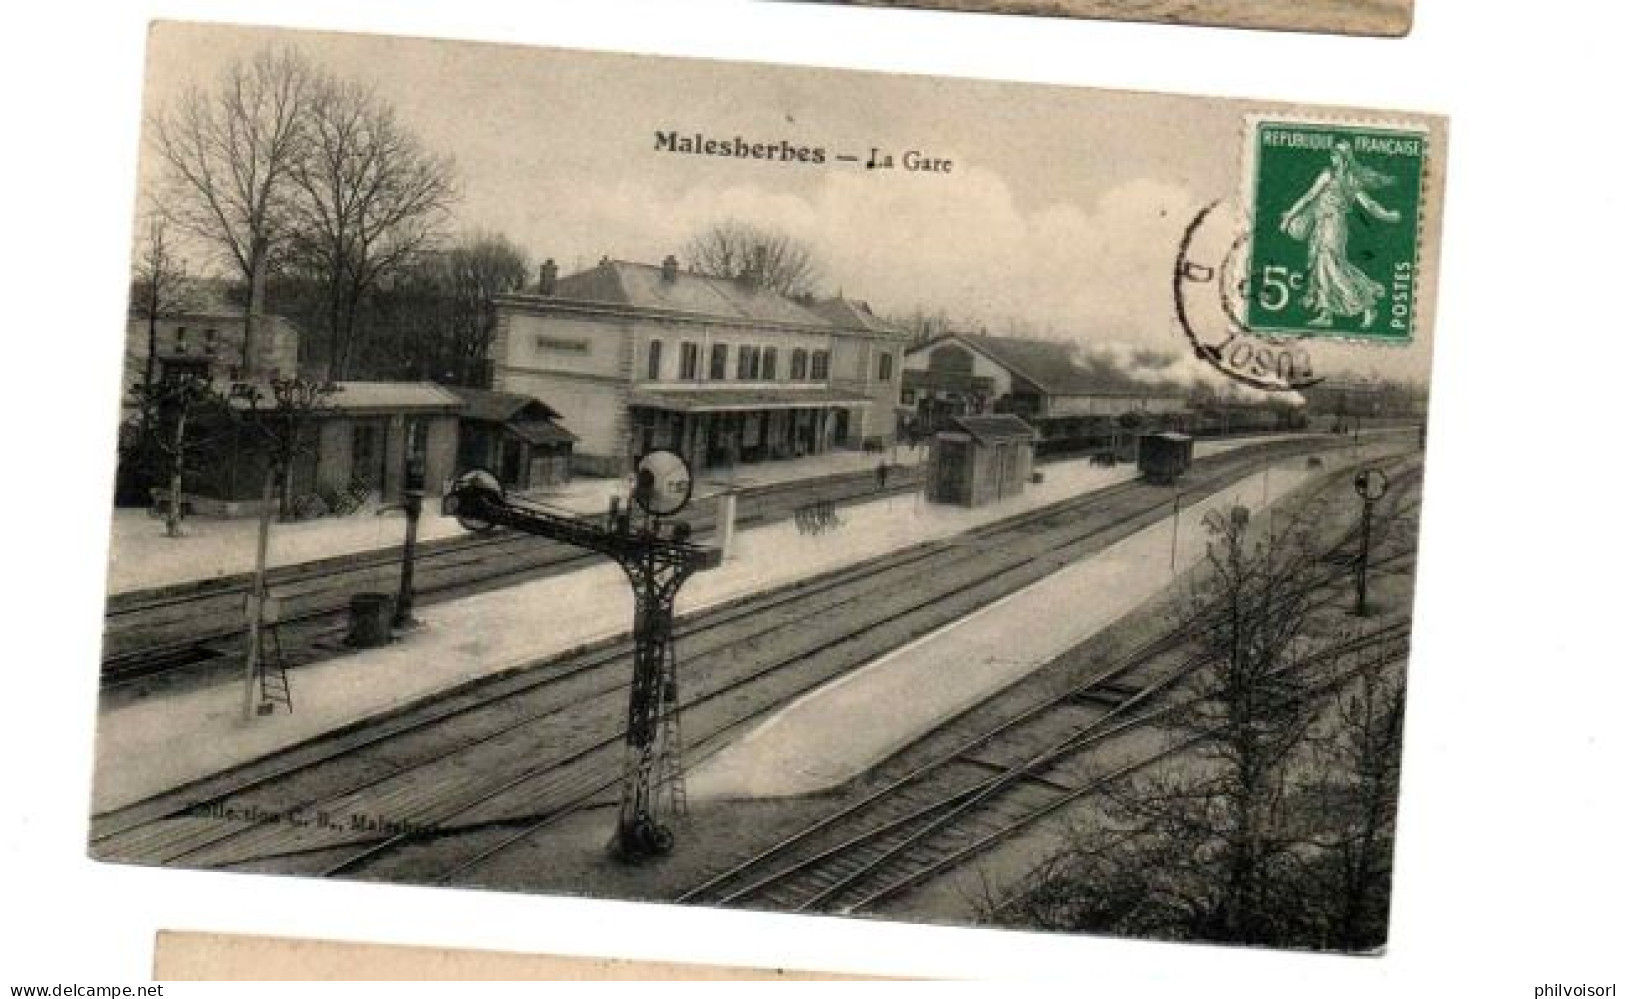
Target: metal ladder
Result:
[272, 668]
[671, 776]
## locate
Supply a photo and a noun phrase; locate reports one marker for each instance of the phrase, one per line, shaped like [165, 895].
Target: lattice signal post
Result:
[657, 558]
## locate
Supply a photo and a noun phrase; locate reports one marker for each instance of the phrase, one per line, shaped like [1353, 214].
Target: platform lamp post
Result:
[1371, 484]
[412, 505]
[1173, 548]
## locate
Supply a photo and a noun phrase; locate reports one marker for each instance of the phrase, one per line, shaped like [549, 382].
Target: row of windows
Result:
[211, 340]
[751, 363]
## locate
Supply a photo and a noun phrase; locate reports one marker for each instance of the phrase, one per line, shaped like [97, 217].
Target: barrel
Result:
[370, 614]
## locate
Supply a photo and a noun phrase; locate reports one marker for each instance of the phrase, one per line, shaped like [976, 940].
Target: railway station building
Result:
[636, 357]
[1071, 405]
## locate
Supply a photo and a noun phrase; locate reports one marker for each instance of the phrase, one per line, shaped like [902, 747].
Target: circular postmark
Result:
[1211, 283]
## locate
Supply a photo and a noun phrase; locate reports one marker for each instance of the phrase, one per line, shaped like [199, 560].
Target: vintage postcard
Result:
[1344, 17]
[219, 957]
[764, 487]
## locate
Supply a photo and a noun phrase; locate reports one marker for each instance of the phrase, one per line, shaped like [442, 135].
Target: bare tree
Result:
[173, 410]
[1256, 835]
[282, 432]
[761, 256]
[475, 271]
[158, 286]
[229, 156]
[282, 426]
[1357, 787]
[922, 325]
[1255, 602]
[371, 200]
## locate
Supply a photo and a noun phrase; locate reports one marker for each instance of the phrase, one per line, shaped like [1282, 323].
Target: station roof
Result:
[541, 432]
[743, 400]
[852, 314]
[501, 407]
[645, 286]
[683, 294]
[995, 427]
[394, 396]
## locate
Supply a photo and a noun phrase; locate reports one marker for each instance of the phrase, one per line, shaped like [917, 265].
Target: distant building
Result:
[515, 437]
[977, 460]
[1344, 400]
[1042, 381]
[364, 438]
[638, 357]
[209, 344]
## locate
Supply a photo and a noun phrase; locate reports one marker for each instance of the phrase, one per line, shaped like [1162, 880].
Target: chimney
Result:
[750, 275]
[668, 269]
[549, 279]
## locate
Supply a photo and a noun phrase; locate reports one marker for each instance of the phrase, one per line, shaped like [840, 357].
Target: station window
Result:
[798, 364]
[749, 367]
[770, 363]
[180, 339]
[820, 365]
[211, 341]
[885, 367]
[719, 361]
[688, 363]
[654, 360]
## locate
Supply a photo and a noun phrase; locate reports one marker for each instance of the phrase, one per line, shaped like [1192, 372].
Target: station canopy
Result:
[744, 400]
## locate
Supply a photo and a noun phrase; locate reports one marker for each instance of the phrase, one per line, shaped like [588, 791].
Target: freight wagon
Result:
[1164, 456]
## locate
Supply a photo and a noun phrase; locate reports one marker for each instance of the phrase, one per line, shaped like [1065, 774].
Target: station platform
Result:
[142, 557]
[151, 745]
[889, 703]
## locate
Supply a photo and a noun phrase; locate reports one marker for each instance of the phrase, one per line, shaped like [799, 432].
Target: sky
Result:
[1060, 218]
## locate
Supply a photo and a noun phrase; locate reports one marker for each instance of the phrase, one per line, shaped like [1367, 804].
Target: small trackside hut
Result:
[980, 459]
[1164, 456]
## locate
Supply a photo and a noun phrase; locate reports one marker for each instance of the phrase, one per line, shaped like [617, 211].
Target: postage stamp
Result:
[1335, 221]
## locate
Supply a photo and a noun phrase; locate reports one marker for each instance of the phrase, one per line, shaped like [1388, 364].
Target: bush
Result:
[309, 507]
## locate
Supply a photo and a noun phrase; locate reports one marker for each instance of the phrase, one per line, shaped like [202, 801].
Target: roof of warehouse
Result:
[1053, 366]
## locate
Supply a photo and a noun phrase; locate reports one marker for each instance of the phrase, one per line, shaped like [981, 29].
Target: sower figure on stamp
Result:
[1336, 286]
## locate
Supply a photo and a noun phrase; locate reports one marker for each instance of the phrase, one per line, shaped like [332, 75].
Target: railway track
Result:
[152, 632]
[995, 785]
[186, 627]
[957, 806]
[518, 753]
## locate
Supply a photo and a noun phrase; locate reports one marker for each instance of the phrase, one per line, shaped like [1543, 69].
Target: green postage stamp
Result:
[1336, 223]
